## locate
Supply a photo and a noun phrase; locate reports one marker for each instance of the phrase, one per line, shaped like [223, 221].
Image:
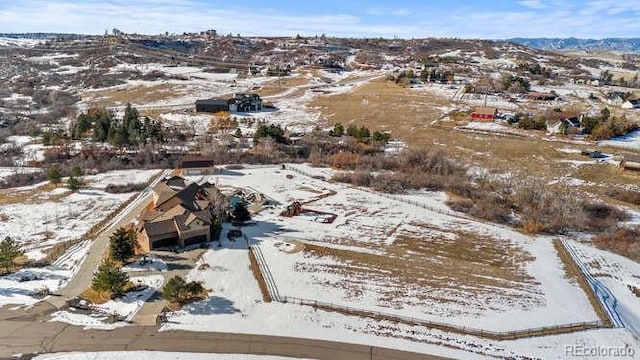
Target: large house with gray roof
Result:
[181, 214]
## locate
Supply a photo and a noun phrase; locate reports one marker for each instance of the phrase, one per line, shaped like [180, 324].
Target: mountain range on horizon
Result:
[572, 43]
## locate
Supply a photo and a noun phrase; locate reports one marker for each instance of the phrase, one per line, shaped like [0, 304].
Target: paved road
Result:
[27, 337]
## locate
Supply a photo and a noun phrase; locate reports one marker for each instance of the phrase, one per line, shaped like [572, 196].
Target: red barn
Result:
[484, 114]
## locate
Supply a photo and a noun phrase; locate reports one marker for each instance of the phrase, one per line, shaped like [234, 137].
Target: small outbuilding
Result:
[212, 105]
[630, 163]
[484, 114]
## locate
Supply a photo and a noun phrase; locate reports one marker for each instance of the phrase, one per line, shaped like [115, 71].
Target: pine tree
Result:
[241, 213]
[174, 289]
[178, 290]
[55, 175]
[122, 244]
[73, 183]
[338, 130]
[110, 278]
[9, 251]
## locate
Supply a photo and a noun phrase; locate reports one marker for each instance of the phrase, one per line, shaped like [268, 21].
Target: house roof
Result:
[187, 197]
[485, 111]
[164, 192]
[160, 228]
[197, 162]
[176, 182]
[184, 221]
[213, 102]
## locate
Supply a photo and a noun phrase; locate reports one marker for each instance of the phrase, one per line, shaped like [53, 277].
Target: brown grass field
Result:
[136, 94]
[415, 117]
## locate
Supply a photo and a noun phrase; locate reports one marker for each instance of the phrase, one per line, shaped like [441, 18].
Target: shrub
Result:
[623, 241]
[126, 188]
[344, 161]
[177, 290]
[630, 197]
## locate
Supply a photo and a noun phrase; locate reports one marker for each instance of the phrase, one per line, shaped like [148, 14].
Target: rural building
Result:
[630, 163]
[245, 103]
[212, 105]
[616, 98]
[484, 114]
[539, 96]
[631, 104]
[180, 215]
[197, 165]
[238, 103]
[566, 126]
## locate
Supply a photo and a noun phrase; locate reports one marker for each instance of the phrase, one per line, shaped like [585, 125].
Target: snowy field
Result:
[18, 288]
[154, 355]
[620, 275]
[48, 216]
[512, 281]
[630, 141]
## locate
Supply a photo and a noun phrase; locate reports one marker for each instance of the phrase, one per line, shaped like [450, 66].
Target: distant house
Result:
[245, 103]
[631, 104]
[212, 105]
[616, 98]
[570, 125]
[180, 215]
[238, 103]
[630, 163]
[540, 96]
[484, 114]
[197, 165]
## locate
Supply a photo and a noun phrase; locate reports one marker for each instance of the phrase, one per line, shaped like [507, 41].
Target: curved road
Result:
[39, 336]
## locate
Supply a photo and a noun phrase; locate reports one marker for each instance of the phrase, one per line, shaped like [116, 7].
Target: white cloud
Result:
[532, 4]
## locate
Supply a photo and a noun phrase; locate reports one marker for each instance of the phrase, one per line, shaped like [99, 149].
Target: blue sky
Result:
[492, 19]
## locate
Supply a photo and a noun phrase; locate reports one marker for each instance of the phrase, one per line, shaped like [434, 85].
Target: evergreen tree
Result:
[9, 251]
[338, 130]
[76, 171]
[352, 131]
[178, 290]
[363, 133]
[121, 244]
[174, 289]
[241, 213]
[55, 175]
[82, 125]
[73, 183]
[110, 278]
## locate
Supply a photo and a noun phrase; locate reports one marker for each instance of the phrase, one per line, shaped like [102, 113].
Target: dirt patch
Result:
[257, 274]
[136, 94]
[37, 195]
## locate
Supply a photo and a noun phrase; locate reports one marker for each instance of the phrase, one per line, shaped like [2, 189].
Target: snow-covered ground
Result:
[53, 216]
[154, 355]
[373, 225]
[620, 275]
[18, 288]
[630, 141]
[126, 307]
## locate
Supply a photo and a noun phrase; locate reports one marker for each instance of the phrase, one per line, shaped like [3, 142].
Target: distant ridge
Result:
[609, 44]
